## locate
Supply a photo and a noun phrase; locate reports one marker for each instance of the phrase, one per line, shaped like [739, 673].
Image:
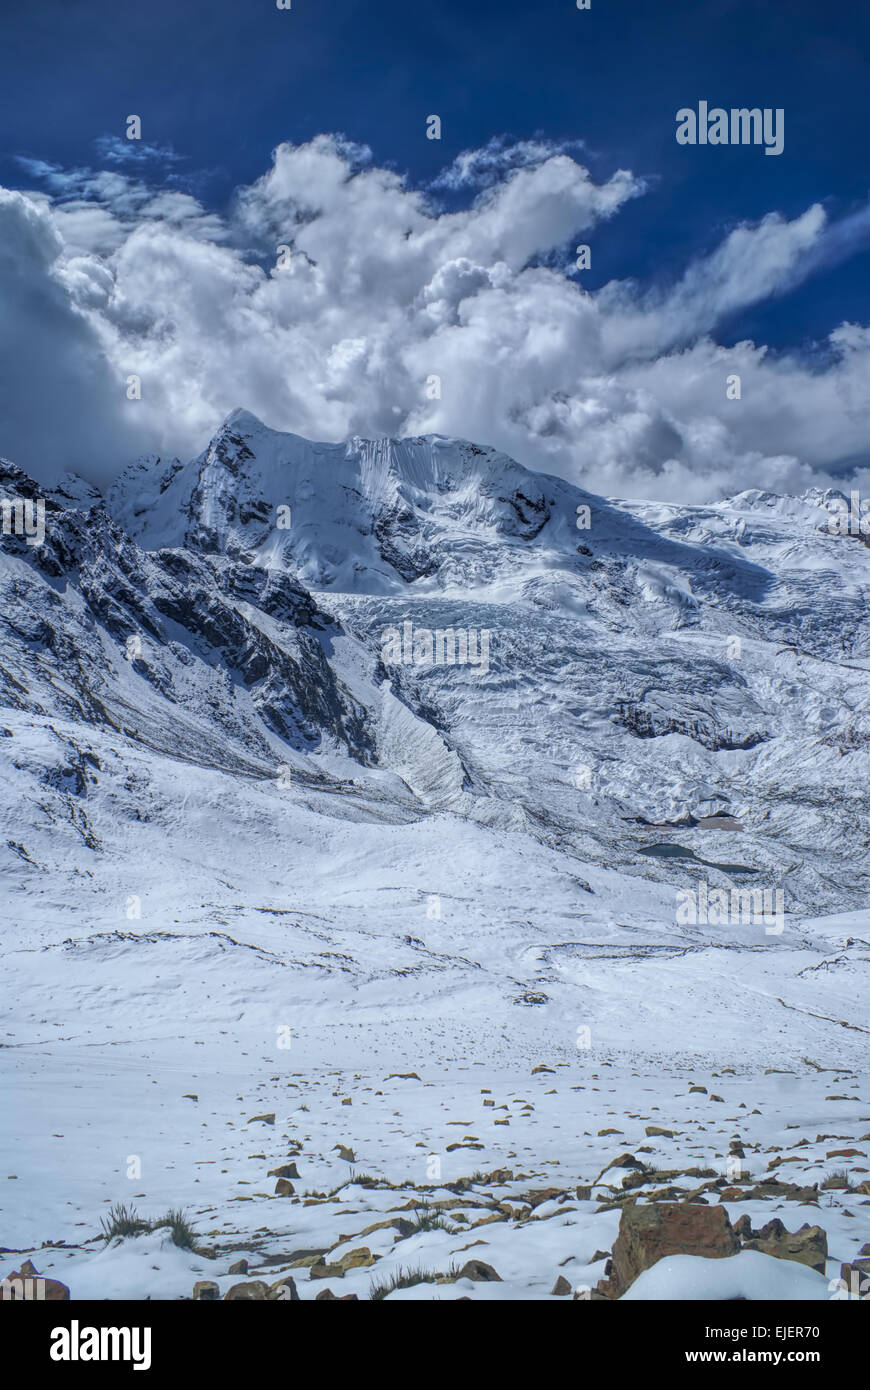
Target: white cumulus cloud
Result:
[379, 290]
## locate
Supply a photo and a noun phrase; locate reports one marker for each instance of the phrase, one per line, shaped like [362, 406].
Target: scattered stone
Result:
[255, 1291]
[360, 1258]
[623, 1161]
[287, 1170]
[327, 1296]
[264, 1119]
[655, 1132]
[240, 1267]
[205, 1291]
[538, 1196]
[284, 1188]
[478, 1271]
[561, 1288]
[284, 1290]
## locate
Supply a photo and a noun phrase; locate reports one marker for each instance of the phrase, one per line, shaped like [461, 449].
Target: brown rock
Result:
[808, 1246]
[561, 1288]
[205, 1291]
[539, 1195]
[648, 1233]
[623, 1161]
[327, 1296]
[287, 1170]
[25, 1285]
[284, 1188]
[856, 1280]
[478, 1271]
[240, 1267]
[360, 1258]
[284, 1290]
[255, 1291]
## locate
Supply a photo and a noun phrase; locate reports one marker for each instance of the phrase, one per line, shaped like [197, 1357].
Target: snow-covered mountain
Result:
[241, 794]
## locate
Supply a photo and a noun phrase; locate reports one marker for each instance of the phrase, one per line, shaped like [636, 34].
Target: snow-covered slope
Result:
[229, 811]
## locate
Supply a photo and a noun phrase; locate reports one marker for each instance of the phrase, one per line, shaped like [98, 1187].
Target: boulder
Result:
[287, 1170]
[648, 1233]
[255, 1291]
[360, 1258]
[206, 1291]
[240, 1267]
[808, 1246]
[478, 1271]
[284, 1290]
[561, 1288]
[537, 1196]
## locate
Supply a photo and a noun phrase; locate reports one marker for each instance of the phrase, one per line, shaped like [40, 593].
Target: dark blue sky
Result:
[224, 81]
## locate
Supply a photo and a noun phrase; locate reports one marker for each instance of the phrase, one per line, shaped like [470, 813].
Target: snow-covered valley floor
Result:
[371, 969]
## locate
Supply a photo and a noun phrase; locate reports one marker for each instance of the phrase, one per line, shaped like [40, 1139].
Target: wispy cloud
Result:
[114, 150]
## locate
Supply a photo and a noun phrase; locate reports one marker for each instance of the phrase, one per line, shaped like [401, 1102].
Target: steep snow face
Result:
[368, 516]
[647, 665]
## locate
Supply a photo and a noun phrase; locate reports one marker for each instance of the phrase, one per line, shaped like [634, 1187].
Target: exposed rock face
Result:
[808, 1246]
[192, 624]
[649, 1233]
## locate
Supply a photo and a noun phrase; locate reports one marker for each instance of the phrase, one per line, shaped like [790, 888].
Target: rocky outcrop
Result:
[649, 1233]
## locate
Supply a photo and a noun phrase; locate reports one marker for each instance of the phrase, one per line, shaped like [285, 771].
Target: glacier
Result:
[252, 868]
